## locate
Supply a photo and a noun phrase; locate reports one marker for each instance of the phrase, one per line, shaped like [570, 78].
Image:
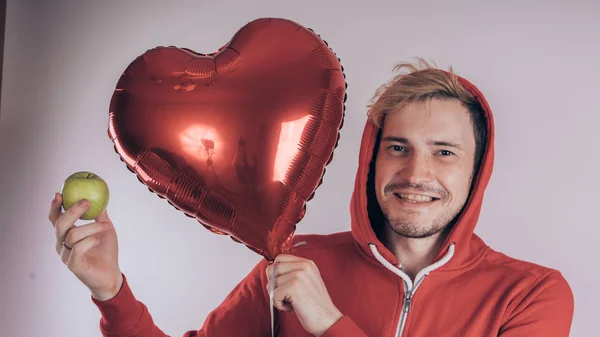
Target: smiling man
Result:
[423, 171]
[411, 264]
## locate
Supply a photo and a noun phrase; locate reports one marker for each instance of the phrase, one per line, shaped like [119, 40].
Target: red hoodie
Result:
[470, 290]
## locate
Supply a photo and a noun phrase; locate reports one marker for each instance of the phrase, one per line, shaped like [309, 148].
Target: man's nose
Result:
[417, 169]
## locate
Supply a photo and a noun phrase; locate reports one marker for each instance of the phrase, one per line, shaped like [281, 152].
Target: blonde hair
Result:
[423, 81]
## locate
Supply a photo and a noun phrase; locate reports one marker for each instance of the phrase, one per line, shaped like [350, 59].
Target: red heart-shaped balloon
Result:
[238, 139]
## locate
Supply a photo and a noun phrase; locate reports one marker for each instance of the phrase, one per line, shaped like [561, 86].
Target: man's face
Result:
[424, 166]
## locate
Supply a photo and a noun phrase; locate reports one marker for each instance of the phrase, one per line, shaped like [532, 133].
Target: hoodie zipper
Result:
[409, 287]
[406, 304]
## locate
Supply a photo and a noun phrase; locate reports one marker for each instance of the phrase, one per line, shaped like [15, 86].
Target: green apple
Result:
[86, 185]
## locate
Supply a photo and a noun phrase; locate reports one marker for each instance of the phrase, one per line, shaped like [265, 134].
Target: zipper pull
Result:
[407, 301]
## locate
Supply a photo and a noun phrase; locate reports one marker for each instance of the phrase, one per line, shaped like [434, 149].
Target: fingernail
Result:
[83, 203]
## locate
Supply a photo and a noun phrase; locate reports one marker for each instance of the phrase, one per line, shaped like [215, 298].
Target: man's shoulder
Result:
[322, 243]
[520, 268]
[528, 284]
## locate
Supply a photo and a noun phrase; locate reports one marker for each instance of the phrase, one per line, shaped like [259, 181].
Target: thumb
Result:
[103, 217]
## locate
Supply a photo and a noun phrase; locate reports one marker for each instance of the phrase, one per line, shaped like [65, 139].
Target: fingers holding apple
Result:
[84, 196]
[64, 222]
[78, 234]
[88, 186]
[90, 251]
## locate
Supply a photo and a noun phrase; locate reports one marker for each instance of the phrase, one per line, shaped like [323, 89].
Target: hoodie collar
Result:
[462, 234]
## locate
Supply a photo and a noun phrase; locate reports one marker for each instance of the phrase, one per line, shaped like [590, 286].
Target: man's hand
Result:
[300, 288]
[90, 251]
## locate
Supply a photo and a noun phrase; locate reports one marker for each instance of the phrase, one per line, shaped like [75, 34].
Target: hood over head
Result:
[363, 200]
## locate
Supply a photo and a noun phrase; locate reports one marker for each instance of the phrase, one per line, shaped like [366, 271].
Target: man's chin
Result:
[412, 230]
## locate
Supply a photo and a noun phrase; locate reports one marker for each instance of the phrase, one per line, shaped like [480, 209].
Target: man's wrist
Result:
[105, 295]
[330, 321]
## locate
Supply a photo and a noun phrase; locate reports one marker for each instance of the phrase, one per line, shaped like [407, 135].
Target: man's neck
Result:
[413, 254]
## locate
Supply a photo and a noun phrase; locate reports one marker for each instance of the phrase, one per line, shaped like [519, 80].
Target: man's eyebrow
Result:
[445, 143]
[403, 140]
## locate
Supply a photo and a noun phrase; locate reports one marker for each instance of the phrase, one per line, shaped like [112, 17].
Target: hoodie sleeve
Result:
[345, 327]
[547, 310]
[243, 313]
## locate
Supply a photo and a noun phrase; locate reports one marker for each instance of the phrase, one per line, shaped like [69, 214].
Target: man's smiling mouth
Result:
[415, 198]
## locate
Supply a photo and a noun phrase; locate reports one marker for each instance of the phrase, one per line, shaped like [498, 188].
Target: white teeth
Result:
[415, 197]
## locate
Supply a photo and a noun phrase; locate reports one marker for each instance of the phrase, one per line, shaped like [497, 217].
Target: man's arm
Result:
[345, 327]
[244, 313]
[547, 310]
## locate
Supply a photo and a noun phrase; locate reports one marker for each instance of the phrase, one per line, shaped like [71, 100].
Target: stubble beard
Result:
[415, 229]
[405, 226]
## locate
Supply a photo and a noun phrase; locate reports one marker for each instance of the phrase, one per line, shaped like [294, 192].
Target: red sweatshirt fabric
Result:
[471, 290]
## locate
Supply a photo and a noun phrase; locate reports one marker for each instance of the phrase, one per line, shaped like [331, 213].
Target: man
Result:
[411, 264]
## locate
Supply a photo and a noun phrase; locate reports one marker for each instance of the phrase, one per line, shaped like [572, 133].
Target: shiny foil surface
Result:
[238, 139]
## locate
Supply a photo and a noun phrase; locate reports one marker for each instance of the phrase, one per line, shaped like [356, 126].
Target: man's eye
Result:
[397, 148]
[446, 153]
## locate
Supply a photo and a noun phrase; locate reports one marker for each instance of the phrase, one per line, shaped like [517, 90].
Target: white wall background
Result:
[537, 64]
